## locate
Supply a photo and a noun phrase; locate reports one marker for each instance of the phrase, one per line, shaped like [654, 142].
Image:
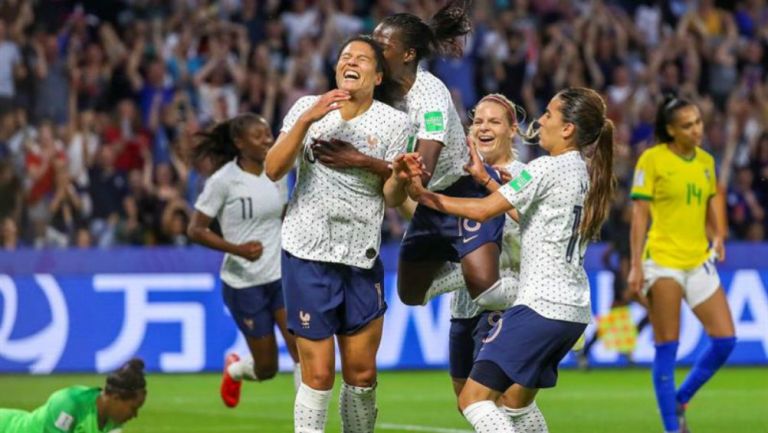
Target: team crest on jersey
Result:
[64, 421]
[706, 173]
[248, 323]
[304, 318]
[373, 142]
[519, 182]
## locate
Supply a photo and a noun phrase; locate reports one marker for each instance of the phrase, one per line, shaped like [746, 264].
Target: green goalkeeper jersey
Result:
[69, 410]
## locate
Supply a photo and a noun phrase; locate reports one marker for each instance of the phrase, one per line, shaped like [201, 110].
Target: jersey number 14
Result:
[693, 193]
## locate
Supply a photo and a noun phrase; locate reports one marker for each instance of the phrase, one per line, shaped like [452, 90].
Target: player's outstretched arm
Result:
[477, 209]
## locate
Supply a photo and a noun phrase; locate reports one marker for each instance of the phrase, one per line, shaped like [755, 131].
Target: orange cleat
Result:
[230, 388]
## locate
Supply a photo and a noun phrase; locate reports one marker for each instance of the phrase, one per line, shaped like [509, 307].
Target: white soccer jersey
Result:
[248, 208]
[549, 194]
[462, 305]
[335, 215]
[434, 117]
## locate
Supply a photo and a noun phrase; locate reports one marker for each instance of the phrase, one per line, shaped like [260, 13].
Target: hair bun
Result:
[135, 364]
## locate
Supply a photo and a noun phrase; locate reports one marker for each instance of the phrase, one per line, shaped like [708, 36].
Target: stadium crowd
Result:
[100, 101]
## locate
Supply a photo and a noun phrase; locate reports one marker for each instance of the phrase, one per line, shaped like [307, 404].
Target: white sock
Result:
[500, 296]
[527, 419]
[357, 406]
[448, 279]
[243, 370]
[310, 409]
[485, 417]
[296, 377]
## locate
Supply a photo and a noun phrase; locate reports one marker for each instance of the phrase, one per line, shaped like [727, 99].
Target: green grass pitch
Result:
[736, 400]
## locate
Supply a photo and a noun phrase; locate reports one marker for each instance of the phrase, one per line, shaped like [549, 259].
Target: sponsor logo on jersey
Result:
[64, 421]
[433, 121]
[519, 182]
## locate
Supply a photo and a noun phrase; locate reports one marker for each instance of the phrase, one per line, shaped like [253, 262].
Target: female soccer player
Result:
[434, 238]
[248, 207]
[561, 201]
[675, 185]
[85, 410]
[332, 273]
[492, 135]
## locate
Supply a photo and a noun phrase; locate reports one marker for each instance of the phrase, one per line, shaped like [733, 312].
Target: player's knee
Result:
[265, 372]
[477, 284]
[466, 398]
[410, 297]
[319, 380]
[363, 377]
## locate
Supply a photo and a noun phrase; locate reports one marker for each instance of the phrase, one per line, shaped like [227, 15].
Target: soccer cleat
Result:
[230, 388]
[681, 418]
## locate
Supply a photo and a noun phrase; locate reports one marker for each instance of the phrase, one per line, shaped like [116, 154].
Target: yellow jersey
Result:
[679, 191]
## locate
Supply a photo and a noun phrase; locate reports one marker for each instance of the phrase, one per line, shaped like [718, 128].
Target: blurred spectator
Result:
[10, 69]
[52, 80]
[107, 188]
[9, 234]
[45, 157]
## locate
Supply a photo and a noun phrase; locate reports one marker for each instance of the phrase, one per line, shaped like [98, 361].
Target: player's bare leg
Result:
[357, 399]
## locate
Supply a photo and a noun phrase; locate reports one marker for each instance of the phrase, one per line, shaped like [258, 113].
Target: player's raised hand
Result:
[250, 250]
[407, 166]
[505, 175]
[475, 166]
[326, 103]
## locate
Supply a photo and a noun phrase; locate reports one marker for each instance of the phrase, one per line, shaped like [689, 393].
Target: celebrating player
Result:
[83, 409]
[434, 238]
[561, 201]
[332, 273]
[492, 134]
[248, 207]
[675, 185]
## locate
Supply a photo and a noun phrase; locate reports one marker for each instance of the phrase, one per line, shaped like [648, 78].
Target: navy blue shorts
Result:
[325, 299]
[253, 307]
[527, 347]
[466, 338]
[433, 235]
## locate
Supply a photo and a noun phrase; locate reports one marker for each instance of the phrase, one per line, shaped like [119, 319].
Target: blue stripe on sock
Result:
[664, 383]
[713, 357]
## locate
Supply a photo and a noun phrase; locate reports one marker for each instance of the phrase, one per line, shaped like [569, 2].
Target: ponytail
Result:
[218, 144]
[585, 108]
[448, 23]
[602, 182]
[436, 37]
